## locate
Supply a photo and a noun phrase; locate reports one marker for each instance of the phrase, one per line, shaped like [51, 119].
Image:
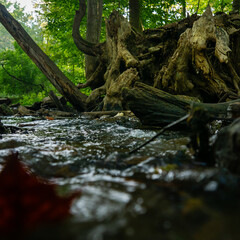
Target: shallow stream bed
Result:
[158, 193]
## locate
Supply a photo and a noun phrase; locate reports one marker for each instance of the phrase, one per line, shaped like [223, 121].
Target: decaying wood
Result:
[129, 57]
[155, 107]
[113, 98]
[98, 114]
[43, 62]
[23, 111]
[195, 67]
[197, 56]
[55, 99]
[120, 65]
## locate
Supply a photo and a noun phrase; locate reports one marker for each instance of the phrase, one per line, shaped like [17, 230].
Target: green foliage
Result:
[18, 74]
[25, 19]
[29, 99]
[6, 39]
[53, 32]
[56, 18]
[86, 91]
[199, 6]
[159, 13]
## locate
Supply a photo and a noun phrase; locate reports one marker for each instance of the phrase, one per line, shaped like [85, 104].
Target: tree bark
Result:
[94, 22]
[42, 61]
[155, 107]
[236, 6]
[134, 14]
[89, 48]
[183, 8]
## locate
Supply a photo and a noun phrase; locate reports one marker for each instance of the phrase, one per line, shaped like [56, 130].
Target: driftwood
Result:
[23, 111]
[42, 61]
[98, 114]
[155, 107]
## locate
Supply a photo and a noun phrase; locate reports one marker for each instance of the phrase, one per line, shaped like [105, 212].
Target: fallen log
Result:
[42, 61]
[155, 107]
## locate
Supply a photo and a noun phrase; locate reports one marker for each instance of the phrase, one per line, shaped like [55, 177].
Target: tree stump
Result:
[198, 56]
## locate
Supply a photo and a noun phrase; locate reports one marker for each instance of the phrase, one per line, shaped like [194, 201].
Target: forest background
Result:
[51, 28]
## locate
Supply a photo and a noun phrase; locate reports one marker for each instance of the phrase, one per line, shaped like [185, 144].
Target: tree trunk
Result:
[236, 6]
[134, 14]
[43, 62]
[183, 8]
[94, 22]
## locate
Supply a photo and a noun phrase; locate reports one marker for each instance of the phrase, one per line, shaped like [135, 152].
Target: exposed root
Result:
[192, 57]
[235, 77]
[96, 79]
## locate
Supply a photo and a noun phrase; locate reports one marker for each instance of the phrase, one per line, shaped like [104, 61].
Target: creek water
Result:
[158, 193]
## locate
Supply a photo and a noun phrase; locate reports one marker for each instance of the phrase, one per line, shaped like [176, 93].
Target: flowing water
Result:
[158, 193]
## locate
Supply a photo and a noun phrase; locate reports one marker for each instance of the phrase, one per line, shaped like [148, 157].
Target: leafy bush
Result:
[29, 99]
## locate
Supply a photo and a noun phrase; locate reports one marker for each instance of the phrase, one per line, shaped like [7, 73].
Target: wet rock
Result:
[5, 110]
[2, 128]
[6, 101]
[227, 147]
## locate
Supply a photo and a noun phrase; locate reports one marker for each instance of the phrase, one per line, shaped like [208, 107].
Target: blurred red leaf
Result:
[27, 201]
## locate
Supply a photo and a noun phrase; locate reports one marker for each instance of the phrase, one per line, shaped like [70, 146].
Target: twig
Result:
[20, 80]
[161, 132]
